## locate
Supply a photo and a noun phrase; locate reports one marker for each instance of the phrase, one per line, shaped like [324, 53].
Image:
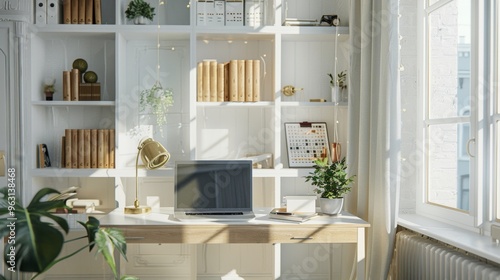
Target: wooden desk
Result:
[160, 227]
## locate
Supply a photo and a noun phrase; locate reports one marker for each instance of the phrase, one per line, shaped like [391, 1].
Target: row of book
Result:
[230, 12]
[75, 90]
[81, 11]
[88, 148]
[236, 80]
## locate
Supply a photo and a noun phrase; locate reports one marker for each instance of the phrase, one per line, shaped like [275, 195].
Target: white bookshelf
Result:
[124, 57]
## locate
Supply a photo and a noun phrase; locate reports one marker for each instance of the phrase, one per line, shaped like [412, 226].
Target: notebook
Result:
[213, 190]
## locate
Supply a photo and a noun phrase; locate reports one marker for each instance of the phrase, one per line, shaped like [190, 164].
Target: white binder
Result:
[41, 12]
[53, 12]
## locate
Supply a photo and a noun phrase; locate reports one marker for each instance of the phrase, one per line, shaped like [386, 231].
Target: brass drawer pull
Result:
[301, 238]
[134, 238]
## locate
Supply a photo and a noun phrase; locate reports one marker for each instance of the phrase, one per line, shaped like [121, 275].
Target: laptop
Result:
[213, 190]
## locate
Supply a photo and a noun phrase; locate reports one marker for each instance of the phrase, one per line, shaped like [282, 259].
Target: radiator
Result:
[417, 257]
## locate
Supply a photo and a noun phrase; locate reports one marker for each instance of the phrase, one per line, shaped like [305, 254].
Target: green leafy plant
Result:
[330, 180]
[156, 100]
[341, 79]
[34, 235]
[138, 8]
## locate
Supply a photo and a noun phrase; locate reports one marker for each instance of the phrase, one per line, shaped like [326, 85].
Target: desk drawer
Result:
[218, 234]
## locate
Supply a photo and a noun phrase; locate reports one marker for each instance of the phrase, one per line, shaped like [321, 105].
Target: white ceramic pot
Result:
[331, 206]
[140, 20]
[336, 95]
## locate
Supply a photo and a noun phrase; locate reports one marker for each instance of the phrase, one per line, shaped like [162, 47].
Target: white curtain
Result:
[374, 126]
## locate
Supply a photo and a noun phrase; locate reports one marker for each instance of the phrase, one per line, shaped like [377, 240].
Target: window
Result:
[460, 111]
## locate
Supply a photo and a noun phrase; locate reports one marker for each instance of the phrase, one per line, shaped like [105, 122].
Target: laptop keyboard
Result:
[214, 213]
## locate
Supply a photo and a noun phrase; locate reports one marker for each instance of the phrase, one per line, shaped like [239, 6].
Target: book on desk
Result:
[282, 214]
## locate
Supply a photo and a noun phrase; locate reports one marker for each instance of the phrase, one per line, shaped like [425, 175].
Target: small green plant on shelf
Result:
[341, 80]
[138, 8]
[157, 101]
[35, 238]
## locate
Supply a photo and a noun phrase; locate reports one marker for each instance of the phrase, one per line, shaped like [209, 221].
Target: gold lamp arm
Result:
[154, 156]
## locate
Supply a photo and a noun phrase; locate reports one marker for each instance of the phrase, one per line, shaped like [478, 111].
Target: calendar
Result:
[306, 142]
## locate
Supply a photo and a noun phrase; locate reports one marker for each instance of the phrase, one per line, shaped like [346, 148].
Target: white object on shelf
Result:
[234, 13]
[301, 203]
[254, 12]
[53, 12]
[41, 12]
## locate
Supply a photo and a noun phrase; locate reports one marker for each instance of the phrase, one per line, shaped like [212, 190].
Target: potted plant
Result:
[35, 236]
[138, 10]
[331, 182]
[338, 86]
[49, 88]
[156, 100]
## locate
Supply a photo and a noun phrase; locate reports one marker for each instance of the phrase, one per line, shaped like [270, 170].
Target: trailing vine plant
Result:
[157, 101]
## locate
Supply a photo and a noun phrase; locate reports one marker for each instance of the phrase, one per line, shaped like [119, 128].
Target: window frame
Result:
[480, 188]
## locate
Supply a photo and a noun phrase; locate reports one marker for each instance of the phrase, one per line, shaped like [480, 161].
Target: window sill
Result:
[479, 245]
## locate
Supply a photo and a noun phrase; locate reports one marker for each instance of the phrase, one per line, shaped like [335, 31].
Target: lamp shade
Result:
[153, 154]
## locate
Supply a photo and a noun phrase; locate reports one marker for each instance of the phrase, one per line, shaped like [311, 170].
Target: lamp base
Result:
[137, 210]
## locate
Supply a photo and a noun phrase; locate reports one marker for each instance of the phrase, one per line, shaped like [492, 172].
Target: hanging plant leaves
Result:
[157, 101]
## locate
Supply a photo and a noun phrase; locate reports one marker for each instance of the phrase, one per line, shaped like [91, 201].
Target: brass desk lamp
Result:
[154, 156]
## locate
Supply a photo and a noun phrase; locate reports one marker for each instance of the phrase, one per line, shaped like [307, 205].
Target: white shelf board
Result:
[74, 103]
[236, 104]
[129, 172]
[313, 104]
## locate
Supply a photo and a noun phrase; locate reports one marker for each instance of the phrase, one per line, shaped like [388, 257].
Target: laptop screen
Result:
[213, 185]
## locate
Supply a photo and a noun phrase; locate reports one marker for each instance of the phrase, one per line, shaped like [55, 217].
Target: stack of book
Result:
[82, 11]
[236, 80]
[75, 90]
[88, 148]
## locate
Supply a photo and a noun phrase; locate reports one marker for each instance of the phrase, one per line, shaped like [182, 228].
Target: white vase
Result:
[140, 20]
[336, 97]
[331, 206]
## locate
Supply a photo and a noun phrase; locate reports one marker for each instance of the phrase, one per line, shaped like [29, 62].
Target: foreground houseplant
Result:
[34, 235]
[332, 182]
[139, 8]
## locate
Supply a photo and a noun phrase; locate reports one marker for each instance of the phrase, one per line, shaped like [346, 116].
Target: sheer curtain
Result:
[374, 126]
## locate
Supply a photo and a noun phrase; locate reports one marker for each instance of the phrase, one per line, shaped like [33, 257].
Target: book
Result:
[96, 91]
[68, 146]
[43, 156]
[63, 152]
[100, 148]
[74, 148]
[226, 81]
[199, 82]
[249, 80]
[111, 148]
[81, 148]
[74, 11]
[241, 80]
[81, 11]
[93, 148]
[256, 80]
[220, 82]
[67, 11]
[89, 11]
[206, 80]
[97, 11]
[86, 148]
[85, 92]
[213, 81]
[233, 80]
[75, 84]
[66, 85]
[105, 148]
[281, 214]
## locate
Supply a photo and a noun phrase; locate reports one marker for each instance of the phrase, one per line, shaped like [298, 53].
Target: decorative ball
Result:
[81, 65]
[90, 77]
